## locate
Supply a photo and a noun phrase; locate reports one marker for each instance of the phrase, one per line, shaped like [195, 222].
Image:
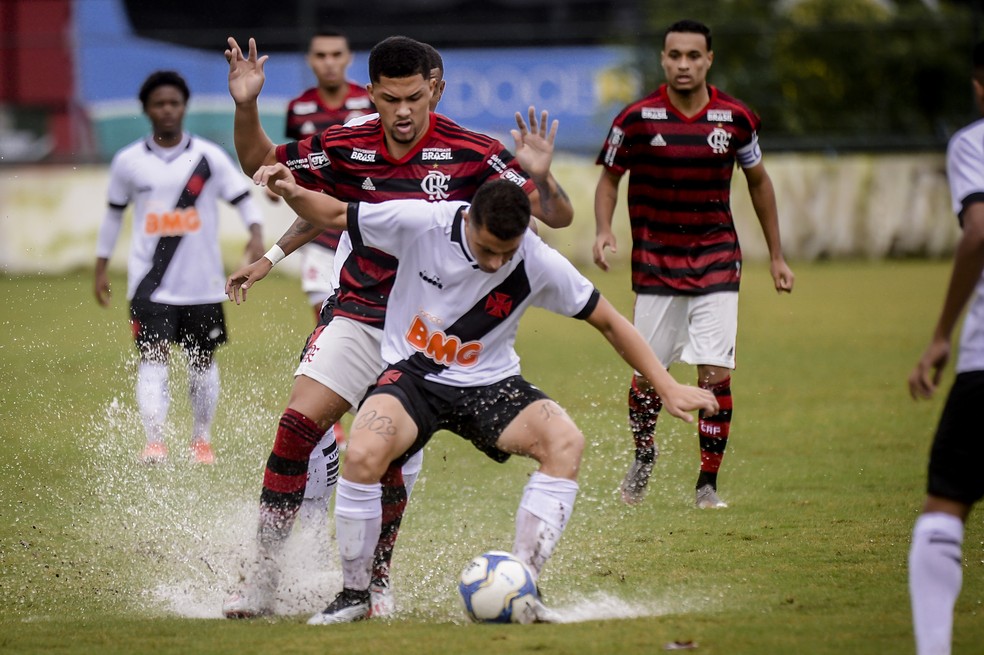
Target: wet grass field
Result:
[824, 476]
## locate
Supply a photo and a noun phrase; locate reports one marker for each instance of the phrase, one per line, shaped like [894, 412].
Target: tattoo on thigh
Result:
[376, 423]
[551, 408]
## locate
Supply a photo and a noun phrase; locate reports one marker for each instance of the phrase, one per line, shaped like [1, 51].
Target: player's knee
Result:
[565, 446]
[363, 463]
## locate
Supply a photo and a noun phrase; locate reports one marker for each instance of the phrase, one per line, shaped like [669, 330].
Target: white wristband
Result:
[275, 254]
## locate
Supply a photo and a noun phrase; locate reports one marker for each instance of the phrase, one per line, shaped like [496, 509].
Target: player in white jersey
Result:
[466, 275]
[955, 482]
[175, 279]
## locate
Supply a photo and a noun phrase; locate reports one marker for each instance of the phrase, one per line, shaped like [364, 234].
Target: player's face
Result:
[404, 107]
[329, 57]
[686, 60]
[165, 108]
[491, 253]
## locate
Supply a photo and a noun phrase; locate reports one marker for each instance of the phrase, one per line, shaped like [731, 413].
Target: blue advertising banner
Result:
[583, 87]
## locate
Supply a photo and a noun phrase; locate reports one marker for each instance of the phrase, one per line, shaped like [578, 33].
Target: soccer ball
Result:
[498, 588]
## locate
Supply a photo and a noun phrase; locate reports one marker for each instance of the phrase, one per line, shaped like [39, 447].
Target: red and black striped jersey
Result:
[353, 164]
[308, 114]
[679, 197]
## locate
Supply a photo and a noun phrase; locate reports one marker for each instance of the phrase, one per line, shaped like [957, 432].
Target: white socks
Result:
[203, 389]
[358, 519]
[153, 398]
[411, 471]
[321, 481]
[935, 577]
[543, 512]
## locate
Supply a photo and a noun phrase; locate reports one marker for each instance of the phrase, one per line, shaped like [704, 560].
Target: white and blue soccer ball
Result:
[498, 588]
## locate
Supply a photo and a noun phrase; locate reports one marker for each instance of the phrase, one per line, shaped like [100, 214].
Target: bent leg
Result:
[544, 432]
[381, 432]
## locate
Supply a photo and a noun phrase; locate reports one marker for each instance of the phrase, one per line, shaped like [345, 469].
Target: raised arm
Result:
[763, 196]
[534, 152]
[323, 211]
[253, 147]
[678, 399]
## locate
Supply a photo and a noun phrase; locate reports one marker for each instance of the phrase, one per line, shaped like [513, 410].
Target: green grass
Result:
[824, 474]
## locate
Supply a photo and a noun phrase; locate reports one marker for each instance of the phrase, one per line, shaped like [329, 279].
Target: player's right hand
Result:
[928, 373]
[244, 278]
[602, 241]
[102, 291]
[246, 74]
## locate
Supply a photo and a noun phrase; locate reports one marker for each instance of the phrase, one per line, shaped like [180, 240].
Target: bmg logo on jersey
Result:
[442, 348]
[435, 184]
[173, 223]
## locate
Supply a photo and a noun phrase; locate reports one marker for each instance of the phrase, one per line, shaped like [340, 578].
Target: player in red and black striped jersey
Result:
[407, 152]
[334, 101]
[679, 146]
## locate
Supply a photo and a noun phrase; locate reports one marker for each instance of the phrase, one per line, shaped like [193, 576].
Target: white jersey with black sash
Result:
[447, 320]
[175, 256]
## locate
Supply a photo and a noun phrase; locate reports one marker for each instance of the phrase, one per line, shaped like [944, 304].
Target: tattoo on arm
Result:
[299, 228]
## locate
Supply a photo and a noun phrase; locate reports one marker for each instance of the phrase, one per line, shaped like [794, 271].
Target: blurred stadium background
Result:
[858, 98]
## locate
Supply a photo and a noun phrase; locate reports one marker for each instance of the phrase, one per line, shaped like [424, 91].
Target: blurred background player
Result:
[955, 482]
[680, 144]
[334, 101]
[175, 276]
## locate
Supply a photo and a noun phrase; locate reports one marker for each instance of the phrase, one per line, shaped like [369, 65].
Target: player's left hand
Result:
[782, 275]
[534, 142]
[683, 399]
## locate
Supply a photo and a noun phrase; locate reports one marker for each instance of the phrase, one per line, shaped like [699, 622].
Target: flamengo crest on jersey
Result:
[965, 172]
[448, 163]
[448, 320]
[680, 170]
[174, 256]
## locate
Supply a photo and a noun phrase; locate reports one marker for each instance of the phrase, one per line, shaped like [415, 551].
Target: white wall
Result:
[830, 206]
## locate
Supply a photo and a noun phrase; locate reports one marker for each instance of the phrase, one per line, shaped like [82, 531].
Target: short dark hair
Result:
[163, 78]
[436, 61]
[329, 33]
[689, 26]
[502, 207]
[398, 56]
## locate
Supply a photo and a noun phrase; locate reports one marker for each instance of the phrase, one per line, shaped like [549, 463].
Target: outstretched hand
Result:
[244, 278]
[534, 143]
[684, 399]
[277, 179]
[246, 74]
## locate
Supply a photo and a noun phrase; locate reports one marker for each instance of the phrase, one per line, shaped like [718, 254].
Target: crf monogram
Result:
[435, 185]
[180, 221]
[719, 139]
[440, 347]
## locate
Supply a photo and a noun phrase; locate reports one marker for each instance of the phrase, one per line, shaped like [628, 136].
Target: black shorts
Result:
[478, 414]
[958, 447]
[196, 328]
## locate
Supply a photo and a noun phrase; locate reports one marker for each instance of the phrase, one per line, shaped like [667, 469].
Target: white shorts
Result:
[317, 266]
[695, 330]
[345, 357]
